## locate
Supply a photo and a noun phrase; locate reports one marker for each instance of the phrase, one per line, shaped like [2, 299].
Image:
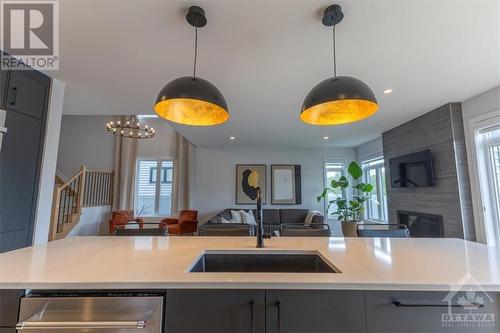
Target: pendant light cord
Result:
[195, 50]
[334, 53]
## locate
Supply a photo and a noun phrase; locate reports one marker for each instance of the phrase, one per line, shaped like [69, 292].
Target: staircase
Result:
[85, 189]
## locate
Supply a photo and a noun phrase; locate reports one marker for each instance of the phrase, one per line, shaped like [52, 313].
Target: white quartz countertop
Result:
[163, 263]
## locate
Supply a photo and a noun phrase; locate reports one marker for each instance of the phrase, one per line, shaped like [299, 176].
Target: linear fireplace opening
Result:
[422, 225]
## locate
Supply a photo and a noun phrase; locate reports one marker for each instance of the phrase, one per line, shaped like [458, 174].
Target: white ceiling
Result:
[265, 56]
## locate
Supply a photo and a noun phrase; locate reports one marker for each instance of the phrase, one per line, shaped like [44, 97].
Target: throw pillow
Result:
[309, 217]
[223, 220]
[248, 217]
[236, 215]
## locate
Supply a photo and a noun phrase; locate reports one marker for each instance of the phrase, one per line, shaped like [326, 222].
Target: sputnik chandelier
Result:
[130, 128]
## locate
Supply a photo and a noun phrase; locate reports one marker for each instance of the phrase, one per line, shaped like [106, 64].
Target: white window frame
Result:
[325, 182]
[382, 207]
[481, 200]
[489, 190]
[493, 187]
[158, 184]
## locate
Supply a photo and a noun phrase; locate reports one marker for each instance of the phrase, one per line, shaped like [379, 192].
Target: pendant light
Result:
[130, 128]
[191, 100]
[340, 99]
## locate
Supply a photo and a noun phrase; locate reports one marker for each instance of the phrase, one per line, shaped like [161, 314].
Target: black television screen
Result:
[412, 170]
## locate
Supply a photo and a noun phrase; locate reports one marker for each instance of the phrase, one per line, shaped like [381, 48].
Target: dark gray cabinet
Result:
[9, 308]
[12, 240]
[26, 104]
[270, 311]
[315, 311]
[417, 312]
[3, 87]
[215, 311]
[27, 93]
[18, 170]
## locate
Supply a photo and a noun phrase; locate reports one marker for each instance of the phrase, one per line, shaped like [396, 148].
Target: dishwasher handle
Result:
[51, 325]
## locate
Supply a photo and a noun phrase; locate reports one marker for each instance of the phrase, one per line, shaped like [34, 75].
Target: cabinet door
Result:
[28, 93]
[9, 307]
[216, 311]
[314, 311]
[18, 171]
[12, 240]
[417, 312]
[3, 87]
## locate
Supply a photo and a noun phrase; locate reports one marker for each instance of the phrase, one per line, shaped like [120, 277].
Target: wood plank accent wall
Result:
[441, 131]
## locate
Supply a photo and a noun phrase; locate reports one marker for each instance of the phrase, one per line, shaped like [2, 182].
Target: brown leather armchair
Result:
[186, 223]
[120, 218]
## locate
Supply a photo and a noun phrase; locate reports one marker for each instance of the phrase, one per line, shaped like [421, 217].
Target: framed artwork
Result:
[286, 187]
[249, 178]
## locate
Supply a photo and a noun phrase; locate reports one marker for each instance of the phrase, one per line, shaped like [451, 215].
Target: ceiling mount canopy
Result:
[339, 99]
[191, 100]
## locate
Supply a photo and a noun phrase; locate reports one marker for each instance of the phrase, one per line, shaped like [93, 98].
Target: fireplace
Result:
[422, 225]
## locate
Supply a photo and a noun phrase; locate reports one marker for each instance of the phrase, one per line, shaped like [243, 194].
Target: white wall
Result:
[93, 222]
[85, 141]
[162, 145]
[50, 150]
[481, 104]
[370, 150]
[215, 183]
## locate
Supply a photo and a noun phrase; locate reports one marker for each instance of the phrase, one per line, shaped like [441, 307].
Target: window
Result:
[153, 194]
[488, 151]
[334, 169]
[374, 173]
[166, 175]
[152, 175]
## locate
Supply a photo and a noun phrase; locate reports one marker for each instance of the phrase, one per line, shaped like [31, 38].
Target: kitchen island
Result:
[163, 262]
[380, 284]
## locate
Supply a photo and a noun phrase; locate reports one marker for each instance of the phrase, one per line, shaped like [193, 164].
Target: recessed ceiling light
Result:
[232, 138]
[387, 91]
[325, 138]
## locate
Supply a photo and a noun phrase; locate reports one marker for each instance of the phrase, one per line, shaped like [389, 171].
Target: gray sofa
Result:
[272, 219]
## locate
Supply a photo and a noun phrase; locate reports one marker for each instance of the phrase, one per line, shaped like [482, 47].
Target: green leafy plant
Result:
[348, 210]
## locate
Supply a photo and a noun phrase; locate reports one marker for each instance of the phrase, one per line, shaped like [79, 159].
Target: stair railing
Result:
[98, 188]
[67, 202]
[87, 188]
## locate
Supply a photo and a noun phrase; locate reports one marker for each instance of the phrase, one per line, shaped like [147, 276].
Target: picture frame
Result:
[286, 185]
[250, 177]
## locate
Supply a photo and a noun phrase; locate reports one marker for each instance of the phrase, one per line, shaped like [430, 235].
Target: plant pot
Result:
[349, 228]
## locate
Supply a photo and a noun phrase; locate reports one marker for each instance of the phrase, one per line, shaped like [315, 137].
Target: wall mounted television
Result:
[412, 170]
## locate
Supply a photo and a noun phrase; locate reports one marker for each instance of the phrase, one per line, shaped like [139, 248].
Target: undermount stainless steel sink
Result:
[262, 261]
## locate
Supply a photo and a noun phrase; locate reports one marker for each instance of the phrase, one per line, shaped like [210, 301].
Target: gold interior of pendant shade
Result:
[339, 112]
[191, 112]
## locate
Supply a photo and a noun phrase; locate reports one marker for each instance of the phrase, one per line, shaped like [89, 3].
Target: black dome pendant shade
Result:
[191, 100]
[340, 99]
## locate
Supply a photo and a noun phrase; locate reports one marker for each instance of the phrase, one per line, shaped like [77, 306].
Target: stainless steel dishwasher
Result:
[91, 314]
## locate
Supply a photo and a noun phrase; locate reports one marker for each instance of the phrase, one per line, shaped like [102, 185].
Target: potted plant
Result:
[349, 212]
